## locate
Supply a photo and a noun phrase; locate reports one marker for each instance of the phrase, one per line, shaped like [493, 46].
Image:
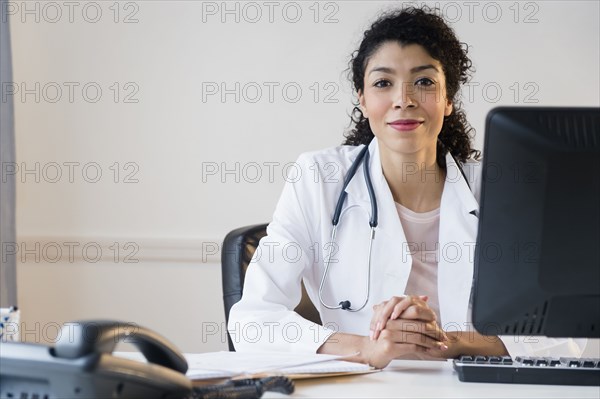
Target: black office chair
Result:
[238, 247]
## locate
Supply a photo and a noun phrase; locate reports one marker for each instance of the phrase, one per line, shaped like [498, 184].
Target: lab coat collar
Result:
[358, 195]
[458, 188]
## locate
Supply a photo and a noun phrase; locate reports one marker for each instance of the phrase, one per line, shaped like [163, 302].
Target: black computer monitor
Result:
[537, 257]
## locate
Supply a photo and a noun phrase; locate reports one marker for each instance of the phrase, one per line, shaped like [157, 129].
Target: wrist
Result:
[345, 344]
[362, 349]
[473, 343]
[457, 344]
[365, 350]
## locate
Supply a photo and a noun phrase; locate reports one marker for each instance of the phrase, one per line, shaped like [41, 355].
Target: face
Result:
[404, 99]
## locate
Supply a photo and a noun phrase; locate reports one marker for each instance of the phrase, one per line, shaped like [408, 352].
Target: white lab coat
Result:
[298, 240]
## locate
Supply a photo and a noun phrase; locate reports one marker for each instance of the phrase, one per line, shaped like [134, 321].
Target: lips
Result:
[405, 125]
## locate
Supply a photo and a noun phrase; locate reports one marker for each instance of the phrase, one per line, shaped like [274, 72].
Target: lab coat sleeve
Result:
[264, 320]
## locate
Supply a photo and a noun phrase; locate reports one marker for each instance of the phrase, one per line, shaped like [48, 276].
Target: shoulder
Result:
[342, 154]
[311, 186]
[332, 161]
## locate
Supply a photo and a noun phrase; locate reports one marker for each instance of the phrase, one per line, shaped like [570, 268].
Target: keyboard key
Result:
[481, 359]
[542, 363]
[554, 363]
[467, 359]
[573, 363]
[495, 360]
[588, 363]
[507, 360]
[528, 362]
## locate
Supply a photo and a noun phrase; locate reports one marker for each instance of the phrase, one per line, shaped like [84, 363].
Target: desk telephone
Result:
[81, 365]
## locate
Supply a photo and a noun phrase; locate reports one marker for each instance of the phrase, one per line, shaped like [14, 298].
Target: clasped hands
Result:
[404, 327]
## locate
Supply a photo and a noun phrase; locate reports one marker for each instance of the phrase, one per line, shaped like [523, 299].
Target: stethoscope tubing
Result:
[364, 159]
[345, 305]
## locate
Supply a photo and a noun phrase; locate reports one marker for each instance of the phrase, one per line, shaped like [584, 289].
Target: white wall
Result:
[157, 142]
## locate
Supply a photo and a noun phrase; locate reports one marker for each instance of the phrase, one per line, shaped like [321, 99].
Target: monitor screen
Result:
[537, 257]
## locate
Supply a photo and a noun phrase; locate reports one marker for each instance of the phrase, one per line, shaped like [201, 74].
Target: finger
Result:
[376, 310]
[383, 314]
[417, 311]
[401, 306]
[379, 305]
[430, 329]
[379, 312]
[392, 310]
[437, 353]
[412, 338]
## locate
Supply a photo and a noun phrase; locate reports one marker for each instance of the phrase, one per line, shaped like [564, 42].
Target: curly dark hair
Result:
[422, 26]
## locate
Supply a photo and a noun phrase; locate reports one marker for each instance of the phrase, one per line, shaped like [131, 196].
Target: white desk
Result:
[425, 379]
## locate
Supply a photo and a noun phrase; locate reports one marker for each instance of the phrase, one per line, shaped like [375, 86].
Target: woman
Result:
[408, 294]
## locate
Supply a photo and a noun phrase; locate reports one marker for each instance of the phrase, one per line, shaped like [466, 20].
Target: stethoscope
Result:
[362, 158]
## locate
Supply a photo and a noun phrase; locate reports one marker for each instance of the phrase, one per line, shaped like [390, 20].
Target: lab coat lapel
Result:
[458, 230]
[390, 257]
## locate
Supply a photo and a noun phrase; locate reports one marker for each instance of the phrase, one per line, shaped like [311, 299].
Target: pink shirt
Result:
[422, 237]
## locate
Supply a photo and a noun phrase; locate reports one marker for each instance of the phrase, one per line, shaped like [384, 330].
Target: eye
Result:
[382, 83]
[424, 82]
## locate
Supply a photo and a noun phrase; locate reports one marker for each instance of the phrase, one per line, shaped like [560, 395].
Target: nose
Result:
[405, 98]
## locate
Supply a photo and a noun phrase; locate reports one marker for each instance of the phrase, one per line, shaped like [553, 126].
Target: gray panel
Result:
[8, 288]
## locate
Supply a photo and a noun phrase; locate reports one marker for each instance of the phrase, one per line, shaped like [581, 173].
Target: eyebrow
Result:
[412, 70]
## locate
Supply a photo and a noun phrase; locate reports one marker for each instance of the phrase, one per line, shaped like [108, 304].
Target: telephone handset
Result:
[81, 365]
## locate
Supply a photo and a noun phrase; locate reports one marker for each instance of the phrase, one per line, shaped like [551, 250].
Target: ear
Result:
[448, 109]
[362, 104]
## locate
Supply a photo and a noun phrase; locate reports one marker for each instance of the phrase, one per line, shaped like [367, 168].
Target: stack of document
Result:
[214, 365]
[233, 364]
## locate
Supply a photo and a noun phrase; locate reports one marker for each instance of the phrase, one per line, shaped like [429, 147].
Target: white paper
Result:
[240, 363]
[230, 364]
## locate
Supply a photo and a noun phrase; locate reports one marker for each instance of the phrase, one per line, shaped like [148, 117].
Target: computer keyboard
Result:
[528, 370]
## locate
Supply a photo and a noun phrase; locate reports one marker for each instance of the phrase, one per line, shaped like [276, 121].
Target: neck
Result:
[415, 180]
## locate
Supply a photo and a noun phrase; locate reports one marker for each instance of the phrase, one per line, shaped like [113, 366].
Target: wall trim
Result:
[94, 249]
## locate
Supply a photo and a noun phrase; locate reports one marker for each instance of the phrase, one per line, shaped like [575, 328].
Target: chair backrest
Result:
[238, 247]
